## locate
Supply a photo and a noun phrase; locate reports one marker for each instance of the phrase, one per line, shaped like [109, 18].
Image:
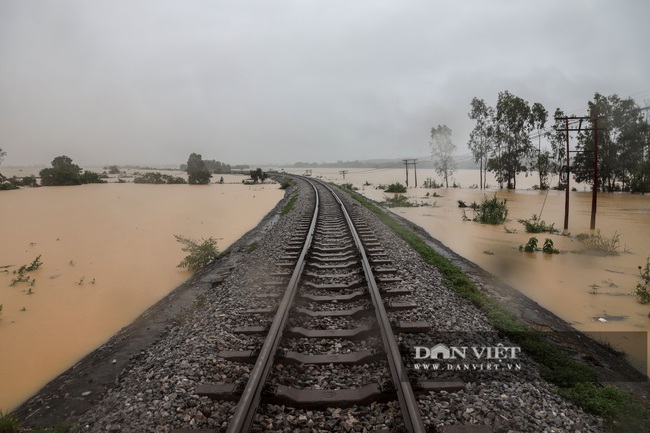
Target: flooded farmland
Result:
[593, 293]
[108, 253]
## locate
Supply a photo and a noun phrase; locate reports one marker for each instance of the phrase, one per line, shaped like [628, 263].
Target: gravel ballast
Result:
[155, 391]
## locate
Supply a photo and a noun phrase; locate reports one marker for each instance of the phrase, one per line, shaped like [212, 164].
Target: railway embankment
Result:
[143, 379]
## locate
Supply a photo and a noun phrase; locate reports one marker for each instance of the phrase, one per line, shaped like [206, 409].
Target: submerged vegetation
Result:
[200, 254]
[596, 242]
[489, 211]
[642, 292]
[536, 225]
[574, 380]
[396, 188]
[158, 178]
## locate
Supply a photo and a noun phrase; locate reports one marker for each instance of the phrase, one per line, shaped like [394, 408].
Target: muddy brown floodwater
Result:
[108, 253]
[594, 293]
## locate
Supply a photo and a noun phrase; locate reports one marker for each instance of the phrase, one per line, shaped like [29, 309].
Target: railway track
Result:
[329, 312]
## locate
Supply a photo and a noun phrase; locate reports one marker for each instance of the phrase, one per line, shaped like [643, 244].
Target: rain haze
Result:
[275, 82]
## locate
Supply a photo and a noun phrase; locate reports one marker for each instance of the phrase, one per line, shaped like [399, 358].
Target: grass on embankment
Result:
[574, 380]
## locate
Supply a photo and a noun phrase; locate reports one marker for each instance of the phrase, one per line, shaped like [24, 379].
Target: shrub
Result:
[491, 211]
[8, 423]
[531, 245]
[290, 204]
[600, 244]
[431, 183]
[158, 178]
[396, 187]
[642, 293]
[536, 225]
[399, 200]
[200, 254]
[549, 248]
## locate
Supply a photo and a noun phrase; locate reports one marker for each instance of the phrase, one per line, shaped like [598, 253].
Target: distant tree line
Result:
[217, 167]
[507, 140]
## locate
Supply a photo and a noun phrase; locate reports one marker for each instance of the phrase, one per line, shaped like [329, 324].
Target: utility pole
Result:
[406, 164]
[594, 196]
[343, 172]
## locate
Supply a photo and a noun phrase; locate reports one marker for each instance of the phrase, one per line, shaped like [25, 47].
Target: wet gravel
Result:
[156, 391]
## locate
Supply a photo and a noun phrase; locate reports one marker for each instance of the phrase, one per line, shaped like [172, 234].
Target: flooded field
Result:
[594, 293]
[108, 253]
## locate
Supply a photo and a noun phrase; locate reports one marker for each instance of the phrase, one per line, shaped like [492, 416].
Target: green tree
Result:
[258, 175]
[622, 143]
[441, 149]
[63, 172]
[513, 127]
[557, 137]
[197, 172]
[538, 118]
[482, 136]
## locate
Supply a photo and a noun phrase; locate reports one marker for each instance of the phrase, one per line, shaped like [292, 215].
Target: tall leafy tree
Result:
[482, 136]
[622, 139]
[63, 172]
[441, 149]
[513, 128]
[557, 137]
[538, 118]
[197, 173]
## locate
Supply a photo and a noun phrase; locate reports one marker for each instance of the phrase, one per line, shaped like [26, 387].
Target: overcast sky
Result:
[279, 81]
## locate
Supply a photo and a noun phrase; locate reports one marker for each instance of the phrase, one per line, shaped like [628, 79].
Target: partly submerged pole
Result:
[568, 171]
[594, 194]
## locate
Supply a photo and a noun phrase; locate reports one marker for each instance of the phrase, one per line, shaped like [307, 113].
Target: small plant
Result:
[509, 231]
[349, 186]
[531, 245]
[252, 247]
[396, 187]
[71, 262]
[366, 183]
[549, 248]
[399, 200]
[292, 201]
[642, 292]
[599, 243]
[536, 225]
[1, 309]
[492, 211]
[285, 184]
[488, 252]
[92, 281]
[23, 309]
[81, 281]
[594, 288]
[8, 423]
[200, 254]
[462, 204]
[30, 291]
[431, 183]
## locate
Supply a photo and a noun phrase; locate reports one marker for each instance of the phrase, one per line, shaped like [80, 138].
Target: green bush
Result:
[549, 248]
[536, 225]
[492, 211]
[396, 187]
[531, 245]
[200, 254]
[399, 200]
[8, 423]
[158, 179]
[642, 293]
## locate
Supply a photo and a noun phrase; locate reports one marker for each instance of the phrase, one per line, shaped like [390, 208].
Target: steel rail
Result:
[242, 419]
[406, 396]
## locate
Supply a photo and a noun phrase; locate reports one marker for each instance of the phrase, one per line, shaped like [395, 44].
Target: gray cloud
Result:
[272, 82]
